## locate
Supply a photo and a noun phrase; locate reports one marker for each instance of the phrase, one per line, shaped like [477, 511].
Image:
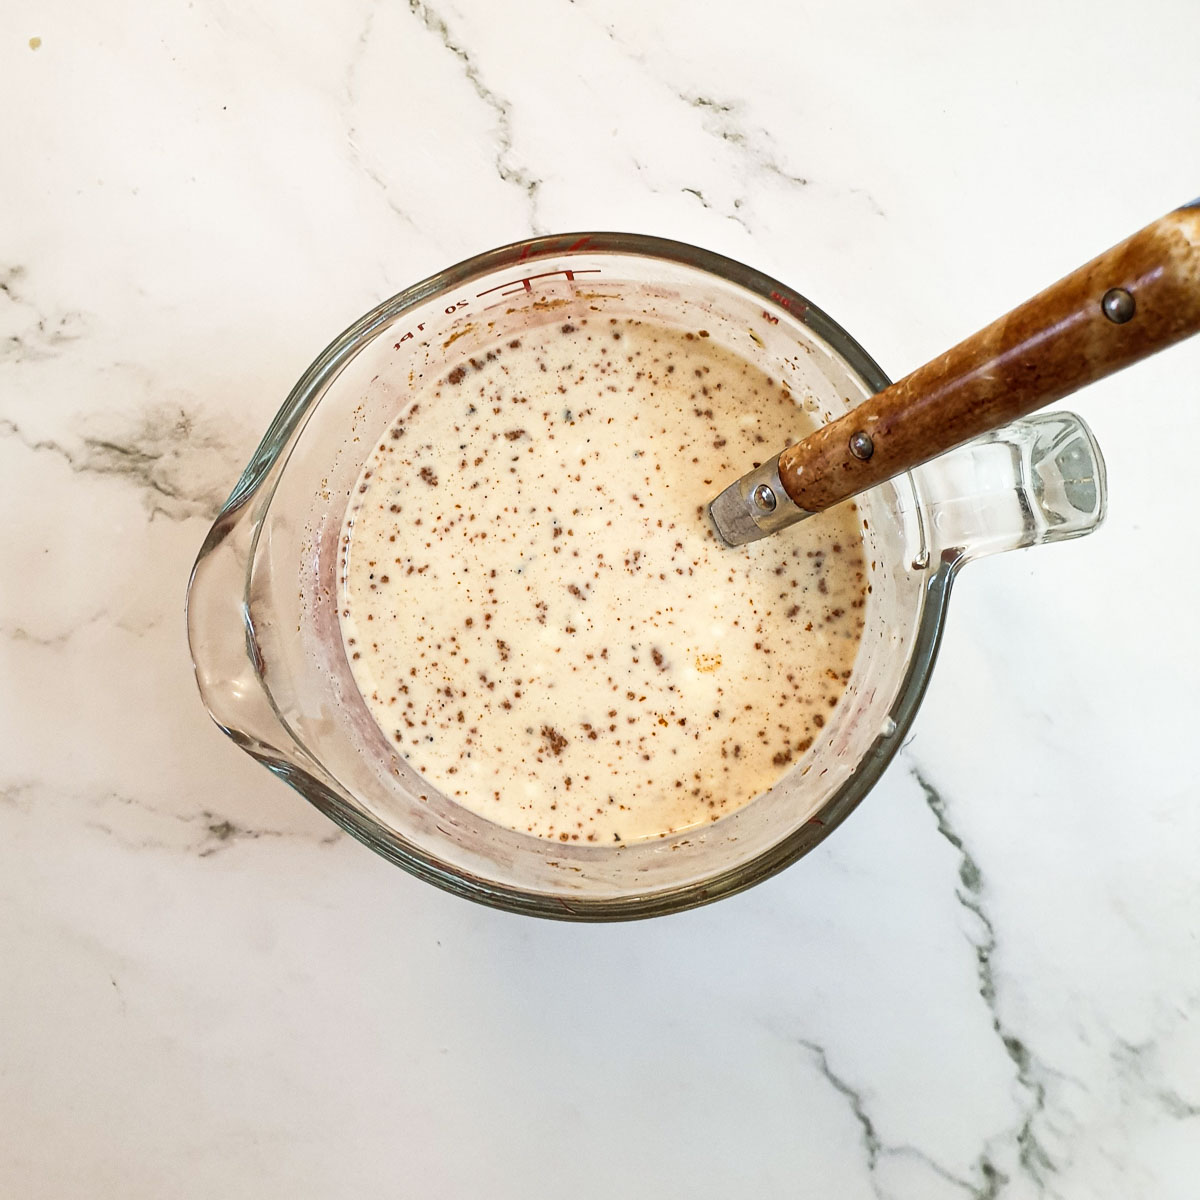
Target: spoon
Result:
[1132, 301]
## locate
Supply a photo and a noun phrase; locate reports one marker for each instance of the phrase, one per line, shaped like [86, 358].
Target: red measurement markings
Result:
[792, 303]
[409, 334]
[526, 284]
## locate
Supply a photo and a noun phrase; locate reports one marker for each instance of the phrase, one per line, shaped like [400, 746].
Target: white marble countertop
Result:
[986, 984]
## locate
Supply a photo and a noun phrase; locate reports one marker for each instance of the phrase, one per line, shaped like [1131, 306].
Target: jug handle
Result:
[1037, 480]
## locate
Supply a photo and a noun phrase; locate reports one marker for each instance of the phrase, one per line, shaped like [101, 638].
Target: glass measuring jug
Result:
[262, 606]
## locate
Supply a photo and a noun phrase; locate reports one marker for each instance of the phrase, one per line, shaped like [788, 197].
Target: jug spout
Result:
[1037, 480]
[231, 672]
[220, 637]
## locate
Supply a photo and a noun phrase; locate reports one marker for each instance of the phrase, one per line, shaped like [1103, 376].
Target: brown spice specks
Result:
[555, 742]
[556, 641]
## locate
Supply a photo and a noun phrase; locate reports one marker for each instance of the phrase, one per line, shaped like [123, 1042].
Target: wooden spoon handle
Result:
[1135, 299]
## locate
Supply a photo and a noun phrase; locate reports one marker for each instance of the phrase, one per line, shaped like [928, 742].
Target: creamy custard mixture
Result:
[538, 614]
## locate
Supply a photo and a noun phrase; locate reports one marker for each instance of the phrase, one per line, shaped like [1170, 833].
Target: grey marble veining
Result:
[984, 985]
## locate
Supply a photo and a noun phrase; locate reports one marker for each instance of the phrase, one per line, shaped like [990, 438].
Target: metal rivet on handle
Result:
[1118, 305]
[861, 445]
[764, 498]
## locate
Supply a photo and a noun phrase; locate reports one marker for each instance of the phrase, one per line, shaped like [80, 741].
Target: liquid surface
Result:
[538, 615]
